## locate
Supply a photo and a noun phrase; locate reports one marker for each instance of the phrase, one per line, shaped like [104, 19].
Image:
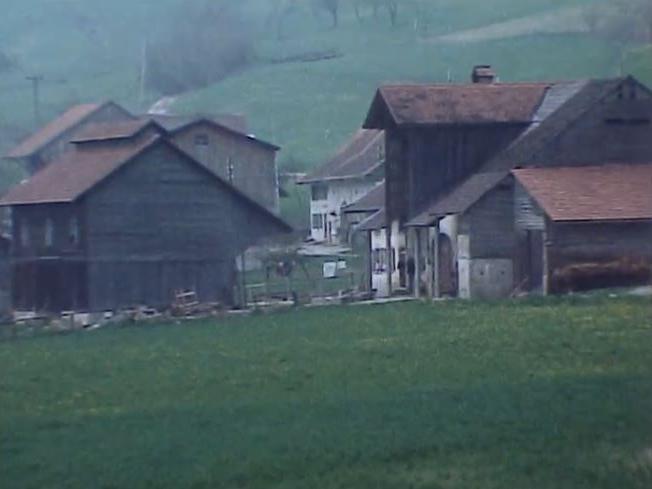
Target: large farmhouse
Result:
[342, 180]
[128, 218]
[53, 139]
[476, 176]
[220, 142]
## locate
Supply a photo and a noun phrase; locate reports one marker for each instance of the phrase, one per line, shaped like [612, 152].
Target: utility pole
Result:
[143, 77]
[36, 80]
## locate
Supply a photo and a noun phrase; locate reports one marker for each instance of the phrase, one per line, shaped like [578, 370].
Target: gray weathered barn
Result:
[128, 218]
[450, 153]
[50, 141]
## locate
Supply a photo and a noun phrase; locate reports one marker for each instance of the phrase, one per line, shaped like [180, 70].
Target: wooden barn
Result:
[450, 153]
[341, 180]
[127, 218]
[50, 141]
[223, 144]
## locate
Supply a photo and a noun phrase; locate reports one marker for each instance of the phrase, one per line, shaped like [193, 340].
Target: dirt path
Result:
[558, 21]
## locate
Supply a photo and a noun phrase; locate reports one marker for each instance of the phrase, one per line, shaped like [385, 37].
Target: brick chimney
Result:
[483, 74]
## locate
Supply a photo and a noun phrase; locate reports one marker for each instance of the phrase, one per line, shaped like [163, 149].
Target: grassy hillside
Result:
[543, 394]
[92, 50]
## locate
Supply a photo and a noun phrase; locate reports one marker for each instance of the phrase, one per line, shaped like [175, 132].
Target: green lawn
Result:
[537, 394]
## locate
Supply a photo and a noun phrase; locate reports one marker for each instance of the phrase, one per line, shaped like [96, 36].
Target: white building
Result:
[352, 173]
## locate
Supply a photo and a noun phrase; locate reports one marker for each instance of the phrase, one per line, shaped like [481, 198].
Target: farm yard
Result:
[541, 393]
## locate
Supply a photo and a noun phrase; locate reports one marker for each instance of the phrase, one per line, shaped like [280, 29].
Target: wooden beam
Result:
[417, 262]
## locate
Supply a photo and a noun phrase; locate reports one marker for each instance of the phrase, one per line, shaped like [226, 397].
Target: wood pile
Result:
[587, 276]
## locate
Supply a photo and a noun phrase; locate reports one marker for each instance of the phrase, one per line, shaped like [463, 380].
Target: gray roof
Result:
[372, 201]
[362, 155]
[373, 223]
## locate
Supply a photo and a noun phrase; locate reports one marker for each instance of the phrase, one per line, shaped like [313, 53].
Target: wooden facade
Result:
[245, 162]
[157, 224]
[501, 242]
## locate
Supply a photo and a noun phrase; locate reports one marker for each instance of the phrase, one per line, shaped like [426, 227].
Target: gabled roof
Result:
[478, 103]
[373, 201]
[177, 124]
[174, 122]
[80, 171]
[363, 154]
[107, 131]
[373, 223]
[594, 193]
[54, 129]
[75, 173]
[564, 103]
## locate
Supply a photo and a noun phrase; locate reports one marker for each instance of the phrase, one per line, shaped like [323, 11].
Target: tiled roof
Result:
[594, 193]
[564, 103]
[373, 201]
[74, 173]
[359, 157]
[68, 120]
[79, 171]
[105, 131]
[457, 104]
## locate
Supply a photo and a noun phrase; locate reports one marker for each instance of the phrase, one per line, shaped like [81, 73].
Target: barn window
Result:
[201, 140]
[74, 231]
[319, 192]
[317, 221]
[49, 232]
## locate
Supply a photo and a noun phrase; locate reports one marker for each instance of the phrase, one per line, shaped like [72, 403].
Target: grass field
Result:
[536, 394]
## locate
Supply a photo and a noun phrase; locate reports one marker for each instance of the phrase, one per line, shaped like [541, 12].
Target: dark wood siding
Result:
[251, 167]
[162, 224]
[490, 225]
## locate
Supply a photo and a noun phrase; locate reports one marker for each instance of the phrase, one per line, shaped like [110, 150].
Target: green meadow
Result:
[536, 394]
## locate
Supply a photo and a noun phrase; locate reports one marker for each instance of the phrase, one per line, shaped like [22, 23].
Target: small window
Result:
[319, 192]
[201, 140]
[317, 221]
[49, 233]
[74, 231]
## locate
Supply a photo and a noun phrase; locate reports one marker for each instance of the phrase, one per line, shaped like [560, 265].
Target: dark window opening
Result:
[74, 231]
[49, 233]
[319, 192]
[201, 140]
[317, 221]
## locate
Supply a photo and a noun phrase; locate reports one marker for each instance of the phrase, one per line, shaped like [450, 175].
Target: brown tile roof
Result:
[74, 173]
[78, 172]
[373, 201]
[594, 193]
[564, 103]
[105, 131]
[360, 156]
[68, 120]
[457, 104]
